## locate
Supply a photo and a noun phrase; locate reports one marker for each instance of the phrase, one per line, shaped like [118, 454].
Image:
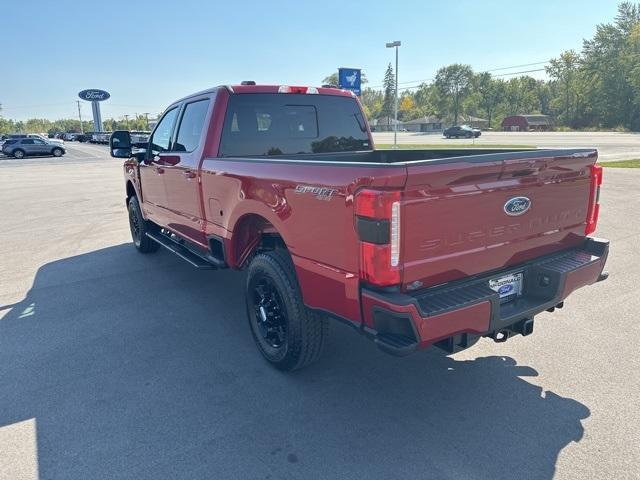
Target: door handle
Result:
[160, 170]
[189, 174]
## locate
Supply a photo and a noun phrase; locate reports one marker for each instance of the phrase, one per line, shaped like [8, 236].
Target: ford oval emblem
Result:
[94, 95]
[505, 289]
[517, 206]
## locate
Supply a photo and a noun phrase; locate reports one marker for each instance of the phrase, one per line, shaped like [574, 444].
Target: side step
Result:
[395, 344]
[193, 257]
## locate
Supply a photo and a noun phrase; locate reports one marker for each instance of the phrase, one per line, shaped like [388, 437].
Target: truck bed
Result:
[476, 155]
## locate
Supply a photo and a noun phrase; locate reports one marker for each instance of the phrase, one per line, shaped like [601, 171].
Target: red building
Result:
[526, 123]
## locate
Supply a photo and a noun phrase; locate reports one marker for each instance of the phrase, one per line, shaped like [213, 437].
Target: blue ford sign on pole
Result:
[95, 96]
[350, 79]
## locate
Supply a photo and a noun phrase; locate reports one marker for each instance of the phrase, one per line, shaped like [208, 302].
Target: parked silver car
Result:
[21, 147]
[50, 140]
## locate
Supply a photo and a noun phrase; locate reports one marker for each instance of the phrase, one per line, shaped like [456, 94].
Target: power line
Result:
[516, 66]
[483, 71]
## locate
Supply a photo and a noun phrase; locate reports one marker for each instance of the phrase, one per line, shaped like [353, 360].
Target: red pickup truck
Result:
[411, 248]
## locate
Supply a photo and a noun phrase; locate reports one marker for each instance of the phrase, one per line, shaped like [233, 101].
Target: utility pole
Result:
[126, 119]
[395, 44]
[146, 116]
[80, 116]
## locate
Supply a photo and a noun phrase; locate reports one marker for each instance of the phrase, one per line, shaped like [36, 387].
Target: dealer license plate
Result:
[508, 287]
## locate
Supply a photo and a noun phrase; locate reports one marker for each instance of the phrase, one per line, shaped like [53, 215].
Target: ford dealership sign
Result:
[94, 95]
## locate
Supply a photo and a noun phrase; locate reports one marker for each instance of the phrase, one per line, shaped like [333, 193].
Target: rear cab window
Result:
[259, 124]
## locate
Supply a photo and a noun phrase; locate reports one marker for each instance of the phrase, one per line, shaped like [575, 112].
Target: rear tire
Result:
[139, 228]
[288, 334]
[18, 153]
[57, 152]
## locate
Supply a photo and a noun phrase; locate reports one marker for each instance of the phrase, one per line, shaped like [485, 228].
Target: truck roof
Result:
[284, 89]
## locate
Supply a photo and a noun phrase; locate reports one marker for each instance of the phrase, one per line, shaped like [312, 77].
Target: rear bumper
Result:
[452, 315]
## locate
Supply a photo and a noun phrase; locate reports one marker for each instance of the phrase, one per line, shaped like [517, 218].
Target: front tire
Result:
[288, 334]
[57, 152]
[139, 228]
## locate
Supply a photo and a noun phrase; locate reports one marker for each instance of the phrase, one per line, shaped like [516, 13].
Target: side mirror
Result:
[120, 144]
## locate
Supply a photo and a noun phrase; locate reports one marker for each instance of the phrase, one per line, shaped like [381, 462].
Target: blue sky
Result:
[148, 53]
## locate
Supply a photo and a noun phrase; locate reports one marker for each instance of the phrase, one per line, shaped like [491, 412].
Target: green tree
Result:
[453, 83]
[490, 92]
[520, 96]
[389, 89]
[372, 102]
[610, 66]
[565, 71]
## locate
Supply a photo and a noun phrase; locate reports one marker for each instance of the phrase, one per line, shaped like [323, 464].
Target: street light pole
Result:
[395, 44]
[80, 117]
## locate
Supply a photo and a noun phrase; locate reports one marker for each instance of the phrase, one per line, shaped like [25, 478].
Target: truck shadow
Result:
[140, 367]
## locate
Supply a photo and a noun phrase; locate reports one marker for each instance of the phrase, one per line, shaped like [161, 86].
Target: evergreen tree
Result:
[389, 87]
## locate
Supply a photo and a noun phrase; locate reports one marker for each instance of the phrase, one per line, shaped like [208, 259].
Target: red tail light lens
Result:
[380, 247]
[594, 200]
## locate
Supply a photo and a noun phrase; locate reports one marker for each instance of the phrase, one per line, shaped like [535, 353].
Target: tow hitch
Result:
[523, 327]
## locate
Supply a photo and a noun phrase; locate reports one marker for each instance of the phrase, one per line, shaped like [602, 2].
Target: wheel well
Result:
[253, 234]
[131, 192]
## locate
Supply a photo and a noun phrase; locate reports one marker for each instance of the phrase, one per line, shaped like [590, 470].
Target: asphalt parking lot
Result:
[610, 145]
[118, 365]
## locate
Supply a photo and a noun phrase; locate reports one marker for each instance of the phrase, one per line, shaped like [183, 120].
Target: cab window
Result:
[161, 139]
[191, 123]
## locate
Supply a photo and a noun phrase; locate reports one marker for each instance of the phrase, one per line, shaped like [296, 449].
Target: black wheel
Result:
[469, 135]
[288, 335]
[18, 153]
[139, 227]
[57, 152]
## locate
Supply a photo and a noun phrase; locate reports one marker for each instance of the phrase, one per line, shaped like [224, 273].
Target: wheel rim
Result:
[19, 154]
[134, 224]
[57, 152]
[268, 313]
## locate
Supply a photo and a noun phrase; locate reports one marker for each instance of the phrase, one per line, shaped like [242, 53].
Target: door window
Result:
[161, 139]
[190, 129]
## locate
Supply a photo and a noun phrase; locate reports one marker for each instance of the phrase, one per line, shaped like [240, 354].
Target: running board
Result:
[198, 260]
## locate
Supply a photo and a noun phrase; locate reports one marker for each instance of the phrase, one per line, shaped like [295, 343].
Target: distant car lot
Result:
[114, 365]
[610, 145]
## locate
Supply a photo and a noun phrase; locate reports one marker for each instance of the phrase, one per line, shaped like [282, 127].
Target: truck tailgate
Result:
[454, 222]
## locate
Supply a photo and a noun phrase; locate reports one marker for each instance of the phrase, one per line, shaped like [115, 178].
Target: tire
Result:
[469, 135]
[139, 228]
[57, 152]
[18, 153]
[288, 334]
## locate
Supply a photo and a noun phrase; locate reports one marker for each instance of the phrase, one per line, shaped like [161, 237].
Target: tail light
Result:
[594, 200]
[378, 226]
